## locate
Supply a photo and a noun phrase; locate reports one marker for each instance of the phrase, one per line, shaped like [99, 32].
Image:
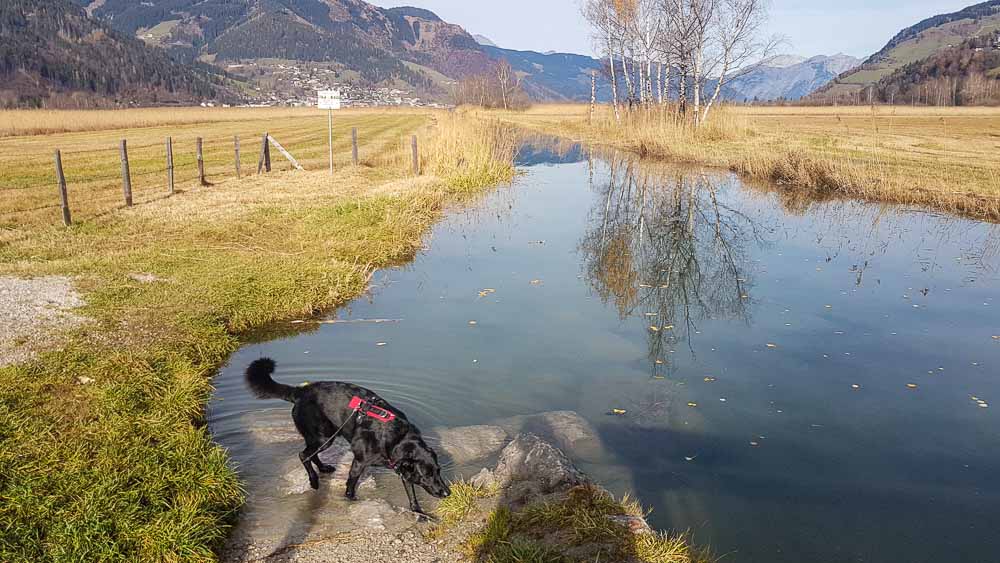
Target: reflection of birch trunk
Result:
[668, 248]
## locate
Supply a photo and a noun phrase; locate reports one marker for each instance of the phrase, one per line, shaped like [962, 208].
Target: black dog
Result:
[378, 433]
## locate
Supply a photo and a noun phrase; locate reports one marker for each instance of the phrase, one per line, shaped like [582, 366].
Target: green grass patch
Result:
[575, 529]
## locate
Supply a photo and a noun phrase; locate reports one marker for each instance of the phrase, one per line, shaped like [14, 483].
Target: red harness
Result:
[378, 413]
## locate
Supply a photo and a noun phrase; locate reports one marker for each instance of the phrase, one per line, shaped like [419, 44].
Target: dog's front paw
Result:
[350, 496]
[314, 482]
[323, 468]
[423, 517]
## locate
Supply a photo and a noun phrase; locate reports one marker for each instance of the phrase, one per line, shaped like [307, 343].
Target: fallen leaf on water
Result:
[829, 306]
[483, 294]
[659, 362]
[645, 286]
[754, 444]
[911, 385]
[668, 327]
[473, 323]
[654, 328]
[536, 282]
[709, 379]
[651, 314]
[690, 458]
[659, 377]
[693, 405]
[489, 290]
[723, 400]
[772, 345]
[381, 343]
[618, 412]
[855, 386]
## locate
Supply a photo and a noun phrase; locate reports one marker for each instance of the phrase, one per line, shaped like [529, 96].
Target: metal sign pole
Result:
[330, 121]
[329, 100]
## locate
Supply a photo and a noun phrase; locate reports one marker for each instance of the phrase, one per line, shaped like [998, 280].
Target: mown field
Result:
[943, 158]
[92, 163]
[104, 455]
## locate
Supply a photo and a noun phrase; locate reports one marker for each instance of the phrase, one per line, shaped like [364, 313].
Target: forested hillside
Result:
[52, 54]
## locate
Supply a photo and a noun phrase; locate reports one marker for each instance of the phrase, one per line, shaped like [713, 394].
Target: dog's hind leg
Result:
[308, 426]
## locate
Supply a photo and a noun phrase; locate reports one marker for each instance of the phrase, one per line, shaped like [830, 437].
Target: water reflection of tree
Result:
[664, 248]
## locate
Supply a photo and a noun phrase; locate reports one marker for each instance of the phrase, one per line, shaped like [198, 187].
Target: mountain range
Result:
[958, 48]
[790, 77]
[124, 51]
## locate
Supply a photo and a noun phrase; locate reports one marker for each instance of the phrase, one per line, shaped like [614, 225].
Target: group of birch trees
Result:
[687, 50]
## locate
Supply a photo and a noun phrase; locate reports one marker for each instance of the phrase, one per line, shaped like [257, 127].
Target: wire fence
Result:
[92, 182]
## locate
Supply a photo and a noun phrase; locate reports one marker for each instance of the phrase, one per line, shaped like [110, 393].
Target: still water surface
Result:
[802, 379]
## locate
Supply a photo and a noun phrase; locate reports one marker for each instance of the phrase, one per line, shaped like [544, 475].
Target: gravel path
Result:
[31, 312]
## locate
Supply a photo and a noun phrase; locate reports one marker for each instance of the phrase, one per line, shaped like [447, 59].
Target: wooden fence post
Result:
[416, 156]
[67, 220]
[354, 145]
[267, 152]
[126, 175]
[264, 162]
[201, 162]
[236, 143]
[170, 166]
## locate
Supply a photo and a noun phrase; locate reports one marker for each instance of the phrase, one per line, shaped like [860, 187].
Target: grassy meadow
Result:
[104, 454]
[942, 158]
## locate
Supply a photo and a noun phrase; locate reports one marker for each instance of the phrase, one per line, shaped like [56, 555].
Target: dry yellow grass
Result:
[944, 158]
[92, 163]
[44, 122]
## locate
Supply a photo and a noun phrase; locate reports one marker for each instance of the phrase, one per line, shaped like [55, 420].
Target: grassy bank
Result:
[103, 450]
[585, 524]
[942, 158]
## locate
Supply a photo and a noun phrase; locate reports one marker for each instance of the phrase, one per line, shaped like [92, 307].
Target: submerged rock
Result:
[469, 443]
[567, 430]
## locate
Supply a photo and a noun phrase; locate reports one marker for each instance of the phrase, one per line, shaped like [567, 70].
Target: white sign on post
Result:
[329, 99]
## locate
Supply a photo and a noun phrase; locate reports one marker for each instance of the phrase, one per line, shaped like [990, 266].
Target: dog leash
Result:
[375, 412]
[326, 445]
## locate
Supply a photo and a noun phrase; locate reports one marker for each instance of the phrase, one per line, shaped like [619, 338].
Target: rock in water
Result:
[530, 467]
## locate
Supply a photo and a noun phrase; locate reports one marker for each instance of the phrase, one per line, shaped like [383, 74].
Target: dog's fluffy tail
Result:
[263, 386]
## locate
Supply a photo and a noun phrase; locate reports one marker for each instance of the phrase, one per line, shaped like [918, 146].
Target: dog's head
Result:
[419, 465]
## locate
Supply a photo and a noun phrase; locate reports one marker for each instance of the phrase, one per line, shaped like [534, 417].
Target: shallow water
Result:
[769, 412]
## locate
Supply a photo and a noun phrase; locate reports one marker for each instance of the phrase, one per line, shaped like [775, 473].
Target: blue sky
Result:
[855, 27]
